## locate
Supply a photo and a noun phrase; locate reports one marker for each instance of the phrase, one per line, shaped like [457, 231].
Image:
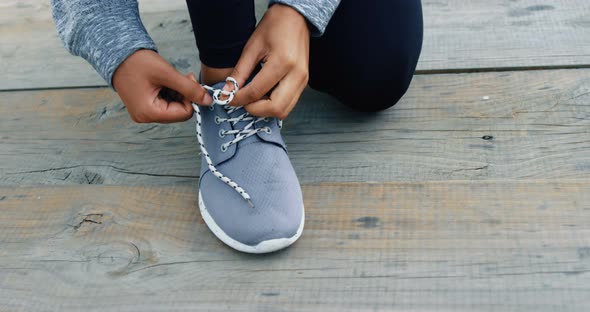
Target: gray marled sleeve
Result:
[317, 12]
[104, 32]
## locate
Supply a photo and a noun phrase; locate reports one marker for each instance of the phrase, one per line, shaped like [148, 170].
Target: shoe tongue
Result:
[242, 124]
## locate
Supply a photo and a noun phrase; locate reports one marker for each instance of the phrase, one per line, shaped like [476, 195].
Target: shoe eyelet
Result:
[222, 133]
[217, 121]
[267, 130]
[266, 119]
[211, 107]
[223, 148]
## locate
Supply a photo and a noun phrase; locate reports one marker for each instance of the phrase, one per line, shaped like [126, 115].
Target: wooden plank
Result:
[477, 35]
[459, 36]
[32, 56]
[461, 246]
[532, 125]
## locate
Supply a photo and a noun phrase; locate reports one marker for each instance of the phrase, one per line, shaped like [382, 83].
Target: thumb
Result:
[187, 86]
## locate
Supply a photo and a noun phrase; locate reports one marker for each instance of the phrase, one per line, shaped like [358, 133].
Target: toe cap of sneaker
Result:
[251, 230]
[275, 192]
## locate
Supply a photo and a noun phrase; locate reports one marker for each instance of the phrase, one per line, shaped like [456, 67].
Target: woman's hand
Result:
[153, 91]
[281, 42]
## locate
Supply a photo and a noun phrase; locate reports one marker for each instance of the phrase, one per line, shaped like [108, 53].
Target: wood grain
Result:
[461, 246]
[466, 35]
[533, 125]
[459, 36]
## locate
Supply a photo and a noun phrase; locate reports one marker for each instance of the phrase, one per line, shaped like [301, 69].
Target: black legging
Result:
[366, 57]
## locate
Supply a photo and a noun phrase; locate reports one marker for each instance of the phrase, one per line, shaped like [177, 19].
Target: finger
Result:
[282, 99]
[250, 58]
[263, 82]
[187, 86]
[167, 112]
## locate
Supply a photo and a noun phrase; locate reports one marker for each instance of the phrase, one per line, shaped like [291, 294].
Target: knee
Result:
[373, 91]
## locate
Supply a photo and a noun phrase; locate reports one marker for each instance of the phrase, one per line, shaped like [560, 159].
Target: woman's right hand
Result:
[154, 91]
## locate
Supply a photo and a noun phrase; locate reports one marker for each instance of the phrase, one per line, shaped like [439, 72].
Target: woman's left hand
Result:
[281, 43]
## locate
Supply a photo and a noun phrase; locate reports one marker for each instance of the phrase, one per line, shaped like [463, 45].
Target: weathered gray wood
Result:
[539, 121]
[474, 34]
[459, 35]
[457, 246]
[32, 56]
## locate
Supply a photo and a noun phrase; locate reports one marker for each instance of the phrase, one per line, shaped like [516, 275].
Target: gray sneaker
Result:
[249, 195]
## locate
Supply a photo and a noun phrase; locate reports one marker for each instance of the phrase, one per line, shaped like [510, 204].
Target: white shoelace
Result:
[240, 134]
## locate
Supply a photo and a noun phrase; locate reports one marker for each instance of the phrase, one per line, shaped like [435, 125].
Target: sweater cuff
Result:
[110, 35]
[317, 12]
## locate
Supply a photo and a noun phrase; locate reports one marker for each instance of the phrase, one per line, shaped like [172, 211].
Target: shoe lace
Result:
[240, 134]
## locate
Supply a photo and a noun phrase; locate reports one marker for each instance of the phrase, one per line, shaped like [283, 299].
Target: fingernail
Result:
[207, 99]
[226, 87]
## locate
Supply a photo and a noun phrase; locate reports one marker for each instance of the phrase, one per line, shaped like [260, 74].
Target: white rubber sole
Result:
[262, 247]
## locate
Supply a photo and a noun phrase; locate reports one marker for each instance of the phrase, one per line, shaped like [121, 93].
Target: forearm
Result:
[317, 12]
[104, 33]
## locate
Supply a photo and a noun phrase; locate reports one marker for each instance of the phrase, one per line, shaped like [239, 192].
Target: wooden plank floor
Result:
[472, 194]
[459, 35]
[488, 245]
[537, 124]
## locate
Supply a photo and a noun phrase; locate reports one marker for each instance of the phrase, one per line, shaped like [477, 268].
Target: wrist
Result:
[316, 12]
[287, 11]
[126, 67]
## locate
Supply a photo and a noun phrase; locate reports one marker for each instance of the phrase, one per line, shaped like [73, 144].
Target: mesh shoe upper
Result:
[259, 164]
